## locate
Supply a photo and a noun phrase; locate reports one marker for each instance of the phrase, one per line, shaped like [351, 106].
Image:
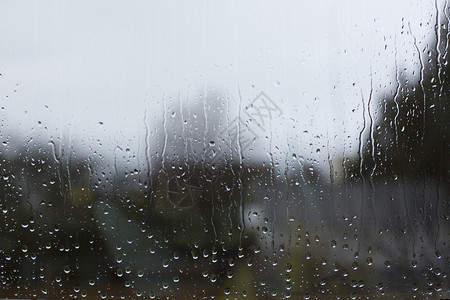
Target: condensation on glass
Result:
[228, 150]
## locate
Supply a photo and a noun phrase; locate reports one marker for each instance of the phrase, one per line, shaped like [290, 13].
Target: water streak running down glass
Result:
[224, 150]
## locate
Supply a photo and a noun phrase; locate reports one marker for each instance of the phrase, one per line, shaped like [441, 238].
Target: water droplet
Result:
[66, 269]
[140, 273]
[119, 272]
[288, 267]
[165, 263]
[387, 264]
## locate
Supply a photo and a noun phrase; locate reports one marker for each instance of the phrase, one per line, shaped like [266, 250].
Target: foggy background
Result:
[166, 149]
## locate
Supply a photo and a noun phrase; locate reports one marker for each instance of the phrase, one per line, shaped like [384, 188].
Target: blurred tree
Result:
[411, 133]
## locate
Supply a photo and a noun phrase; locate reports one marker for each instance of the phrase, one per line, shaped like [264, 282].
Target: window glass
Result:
[224, 149]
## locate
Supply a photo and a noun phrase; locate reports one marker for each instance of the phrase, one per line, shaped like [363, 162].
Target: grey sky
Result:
[73, 64]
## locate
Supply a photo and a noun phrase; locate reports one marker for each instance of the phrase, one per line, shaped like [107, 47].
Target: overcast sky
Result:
[89, 70]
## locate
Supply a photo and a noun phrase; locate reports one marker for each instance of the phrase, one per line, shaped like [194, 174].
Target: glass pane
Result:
[224, 149]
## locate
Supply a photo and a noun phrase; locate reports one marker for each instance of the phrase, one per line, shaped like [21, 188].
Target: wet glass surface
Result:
[224, 150]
